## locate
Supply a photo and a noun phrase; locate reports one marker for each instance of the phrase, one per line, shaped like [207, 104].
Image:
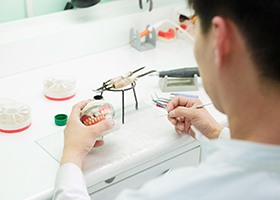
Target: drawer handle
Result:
[110, 180]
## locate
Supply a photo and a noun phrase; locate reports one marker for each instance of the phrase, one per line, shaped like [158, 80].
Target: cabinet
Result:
[134, 178]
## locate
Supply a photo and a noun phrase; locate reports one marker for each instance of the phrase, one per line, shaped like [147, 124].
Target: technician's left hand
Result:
[79, 139]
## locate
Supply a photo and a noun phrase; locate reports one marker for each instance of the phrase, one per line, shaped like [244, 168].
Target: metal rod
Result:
[122, 106]
[136, 101]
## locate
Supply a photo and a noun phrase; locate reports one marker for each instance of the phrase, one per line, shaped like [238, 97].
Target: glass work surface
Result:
[145, 135]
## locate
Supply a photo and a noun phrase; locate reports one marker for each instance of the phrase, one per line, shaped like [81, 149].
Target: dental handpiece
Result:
[181, 72]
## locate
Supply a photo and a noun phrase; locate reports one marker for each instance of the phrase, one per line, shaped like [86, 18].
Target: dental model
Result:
[96, 111]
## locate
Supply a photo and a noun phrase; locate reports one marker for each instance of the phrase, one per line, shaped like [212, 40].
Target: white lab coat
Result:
[232, 170]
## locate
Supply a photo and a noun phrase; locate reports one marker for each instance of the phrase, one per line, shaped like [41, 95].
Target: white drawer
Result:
[134, 178]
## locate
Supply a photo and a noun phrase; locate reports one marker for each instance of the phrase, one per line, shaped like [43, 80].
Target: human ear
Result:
[222, 33]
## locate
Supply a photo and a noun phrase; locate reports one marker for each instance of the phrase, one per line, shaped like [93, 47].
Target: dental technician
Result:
[237, 51]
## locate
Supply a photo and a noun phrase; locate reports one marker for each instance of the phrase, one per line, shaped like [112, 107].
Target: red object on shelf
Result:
[183, 26]
[168, 34]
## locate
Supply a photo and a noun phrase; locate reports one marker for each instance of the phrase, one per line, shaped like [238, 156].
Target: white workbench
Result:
[144, 147]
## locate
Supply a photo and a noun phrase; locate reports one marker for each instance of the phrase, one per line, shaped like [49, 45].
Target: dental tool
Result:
[123, 81]
[192, 107]
[180, 72]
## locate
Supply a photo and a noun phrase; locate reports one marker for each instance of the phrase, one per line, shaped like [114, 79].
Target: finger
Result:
[182, 101]
[181, 111]
[172, 120]
[176, 120]
[98, 143]
[191, 132]
[76, 109]
[102, 126]
[180, 132]
[187, 125]
[181, 127]
[175, 102]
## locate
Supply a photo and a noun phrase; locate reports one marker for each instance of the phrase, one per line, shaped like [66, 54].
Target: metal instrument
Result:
[181, 72]
[120, 82]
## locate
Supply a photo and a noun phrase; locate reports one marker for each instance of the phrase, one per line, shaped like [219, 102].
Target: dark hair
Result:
[259, 23]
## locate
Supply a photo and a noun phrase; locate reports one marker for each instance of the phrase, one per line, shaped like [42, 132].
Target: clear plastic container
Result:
[59, 88]
[96, 111]
[14, 117]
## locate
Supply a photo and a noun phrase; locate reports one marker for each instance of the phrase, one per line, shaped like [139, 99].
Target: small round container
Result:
[59, 88]
[96, 111]
[14, 117]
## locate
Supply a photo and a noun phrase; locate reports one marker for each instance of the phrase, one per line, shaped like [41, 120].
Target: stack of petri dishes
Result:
[14, 117]
[59, 88]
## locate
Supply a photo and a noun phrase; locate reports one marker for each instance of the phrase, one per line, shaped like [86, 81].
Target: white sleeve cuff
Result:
[225, 134]
[70, 183]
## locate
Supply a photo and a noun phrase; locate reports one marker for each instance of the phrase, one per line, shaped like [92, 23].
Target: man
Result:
[236, 48]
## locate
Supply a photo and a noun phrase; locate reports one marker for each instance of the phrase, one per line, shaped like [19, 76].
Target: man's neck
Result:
[257, 119]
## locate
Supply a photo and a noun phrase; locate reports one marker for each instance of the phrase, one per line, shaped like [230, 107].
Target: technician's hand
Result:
[79, 139]
[182, 117]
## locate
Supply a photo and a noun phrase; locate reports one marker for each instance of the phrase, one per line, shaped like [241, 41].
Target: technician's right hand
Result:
[79, 138]
[183, 117]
